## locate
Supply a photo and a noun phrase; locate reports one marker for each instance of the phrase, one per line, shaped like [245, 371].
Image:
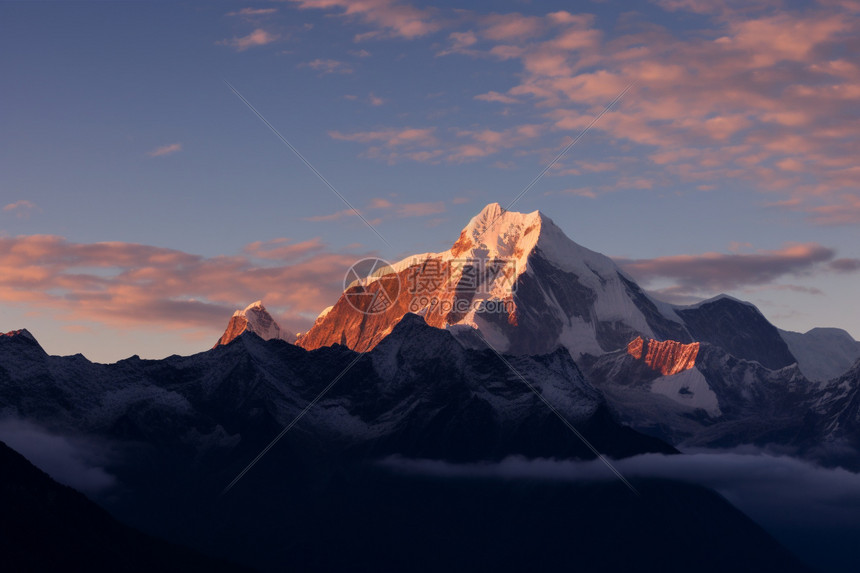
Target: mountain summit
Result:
[254, 318]
[519, 282]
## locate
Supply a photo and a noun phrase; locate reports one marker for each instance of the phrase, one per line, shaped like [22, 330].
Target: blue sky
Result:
[142, 201]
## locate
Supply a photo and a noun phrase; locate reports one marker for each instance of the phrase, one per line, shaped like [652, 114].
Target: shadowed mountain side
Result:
[180, 429]
[45, 526]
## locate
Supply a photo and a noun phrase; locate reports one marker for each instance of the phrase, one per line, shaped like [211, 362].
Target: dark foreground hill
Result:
[46, 526]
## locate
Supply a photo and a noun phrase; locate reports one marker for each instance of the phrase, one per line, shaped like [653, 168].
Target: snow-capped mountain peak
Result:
[498, 233]
[254, 306]
[524, 286]
[253, 318]
[520, 281]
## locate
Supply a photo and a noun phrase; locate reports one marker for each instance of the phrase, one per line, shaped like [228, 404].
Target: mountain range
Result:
[516, 345]
[332, 494]
[713, 374]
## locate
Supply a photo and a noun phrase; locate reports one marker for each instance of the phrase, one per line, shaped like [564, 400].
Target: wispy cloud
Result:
[328, 66]
[258, 37]
[253, 12]
[21, 208]
[711, 273]
[126, 285]
[385, 209]
[460, 43]
[496, 97]
[388, 17]
[419, 209]
[336, 216]
[422, 144]
[390, 137]
[513, 26]
[165, 150]
[762, 94]
[283, 249]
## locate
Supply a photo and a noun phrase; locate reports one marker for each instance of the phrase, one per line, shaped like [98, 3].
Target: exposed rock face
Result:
[667, 357]
[351, 323]
[254, 318]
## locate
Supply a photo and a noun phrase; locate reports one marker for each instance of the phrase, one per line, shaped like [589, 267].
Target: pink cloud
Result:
[420, 209]
[597, 166]
[165, 150]
[784, 37]
[329, 66]
[501, 27]
[506, 52]
[566, 18]
[282, 249]
[252, 12]
[579, 192]
[258, 37]
[845, 211]
[21, 208]
[390, 16]
[702, 110]
[577, 39]
[496, 97]
[461, 43]
[422, 144]
[336, 216]
[128, 285]
[390, 137]
[387, 209]
[762, 93]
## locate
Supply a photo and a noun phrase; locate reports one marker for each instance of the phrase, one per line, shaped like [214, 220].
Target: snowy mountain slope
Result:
[835, 412]
[402, 388]
[557, 293]
[721, 401]
[539, 290]
[823, 353]
[717, 372]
